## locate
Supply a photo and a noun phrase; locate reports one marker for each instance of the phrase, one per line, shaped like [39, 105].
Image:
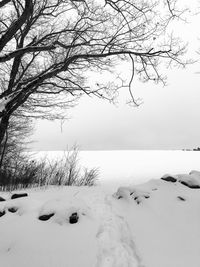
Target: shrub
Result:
[24, 172]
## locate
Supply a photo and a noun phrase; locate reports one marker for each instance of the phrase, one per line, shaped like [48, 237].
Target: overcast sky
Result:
[169, 118]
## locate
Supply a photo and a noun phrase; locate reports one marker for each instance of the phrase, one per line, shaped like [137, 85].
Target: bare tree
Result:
[49, 47]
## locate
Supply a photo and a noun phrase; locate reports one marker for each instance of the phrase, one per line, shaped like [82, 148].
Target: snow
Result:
[192, 179]
[153, 223]
[150, 225]
[27, 241]
[3, 103]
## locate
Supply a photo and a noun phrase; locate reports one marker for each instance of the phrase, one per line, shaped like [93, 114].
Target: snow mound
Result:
[17, 206]
[191, 180]
[129, 193]
[60, 212]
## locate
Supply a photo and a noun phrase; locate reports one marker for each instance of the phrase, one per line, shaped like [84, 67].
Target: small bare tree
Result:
[49, 47]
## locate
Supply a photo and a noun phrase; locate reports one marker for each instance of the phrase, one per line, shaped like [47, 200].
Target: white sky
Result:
[168, 119]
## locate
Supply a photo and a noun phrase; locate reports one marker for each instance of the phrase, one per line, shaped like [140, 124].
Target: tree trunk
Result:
[4, 121]
[3, 149]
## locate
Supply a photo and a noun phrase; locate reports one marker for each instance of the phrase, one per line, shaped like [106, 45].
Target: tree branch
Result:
[17, 24]
[28, 49]
[4, 2]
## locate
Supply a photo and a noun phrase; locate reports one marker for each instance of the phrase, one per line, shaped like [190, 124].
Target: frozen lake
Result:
[133, 166]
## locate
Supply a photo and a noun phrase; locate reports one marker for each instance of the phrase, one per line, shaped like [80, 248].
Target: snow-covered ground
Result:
[152, 224]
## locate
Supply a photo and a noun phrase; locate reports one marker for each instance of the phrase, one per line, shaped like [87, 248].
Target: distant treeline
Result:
[194, 149]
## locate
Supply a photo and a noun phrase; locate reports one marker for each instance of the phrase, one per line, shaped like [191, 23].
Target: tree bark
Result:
[3, 150]
[4, 121]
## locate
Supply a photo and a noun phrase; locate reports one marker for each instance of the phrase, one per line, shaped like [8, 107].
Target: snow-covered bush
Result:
[67, 171]
[31, 173]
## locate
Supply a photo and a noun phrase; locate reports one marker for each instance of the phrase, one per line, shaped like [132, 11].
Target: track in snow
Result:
[116, 247]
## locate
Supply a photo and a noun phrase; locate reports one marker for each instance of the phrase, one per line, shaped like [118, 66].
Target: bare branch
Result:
[49, 49]
[4, 2]
[22, 51]
[17, 24]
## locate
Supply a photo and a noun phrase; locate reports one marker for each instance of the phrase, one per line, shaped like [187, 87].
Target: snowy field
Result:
[149, 222]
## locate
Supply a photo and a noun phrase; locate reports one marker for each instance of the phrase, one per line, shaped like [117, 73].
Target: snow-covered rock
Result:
[2, 199]
[123, 192]
[19, 195]
[191, 180]
[129, 193]
[2, 212]
[195, 172]
[169, 178]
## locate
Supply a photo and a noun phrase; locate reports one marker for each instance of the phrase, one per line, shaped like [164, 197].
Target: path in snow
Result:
[116, 247]
[100, 226]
